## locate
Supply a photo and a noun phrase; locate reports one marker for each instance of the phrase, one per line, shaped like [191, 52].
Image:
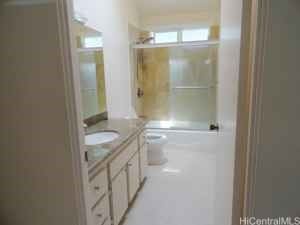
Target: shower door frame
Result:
[207, 44]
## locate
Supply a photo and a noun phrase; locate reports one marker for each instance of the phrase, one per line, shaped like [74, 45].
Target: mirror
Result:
[92, 79]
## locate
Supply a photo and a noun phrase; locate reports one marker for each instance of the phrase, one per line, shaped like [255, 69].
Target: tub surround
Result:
[128, 129]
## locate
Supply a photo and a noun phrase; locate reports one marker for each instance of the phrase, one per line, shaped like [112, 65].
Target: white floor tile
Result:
[181, 192]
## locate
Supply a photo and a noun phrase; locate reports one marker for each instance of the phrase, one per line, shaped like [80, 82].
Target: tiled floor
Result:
[181, 192]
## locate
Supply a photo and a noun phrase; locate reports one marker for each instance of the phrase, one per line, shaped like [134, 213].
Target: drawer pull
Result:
[97, 188]
[129, 164]
[100, 215]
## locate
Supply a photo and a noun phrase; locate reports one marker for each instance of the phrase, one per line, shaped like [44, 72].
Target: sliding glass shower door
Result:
[179, 85]
[193, 86]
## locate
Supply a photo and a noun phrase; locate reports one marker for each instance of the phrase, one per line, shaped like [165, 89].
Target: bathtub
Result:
[186, 138]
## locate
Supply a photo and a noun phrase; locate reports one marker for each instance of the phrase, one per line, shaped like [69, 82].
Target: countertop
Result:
[127, 128]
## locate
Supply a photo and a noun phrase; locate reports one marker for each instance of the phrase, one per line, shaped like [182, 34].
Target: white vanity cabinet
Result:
[98, 186]
[121, 160]
[143, 152]
[115, 187]
[133, 176]
[101, 212]
[119, 196]
[99, 194]
[124, 172]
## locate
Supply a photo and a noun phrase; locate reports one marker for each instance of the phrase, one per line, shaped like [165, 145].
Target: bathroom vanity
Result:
[117, 170]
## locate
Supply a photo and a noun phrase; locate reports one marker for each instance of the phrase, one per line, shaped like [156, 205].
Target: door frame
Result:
[255, 20]
[65, 18]
[255, 23]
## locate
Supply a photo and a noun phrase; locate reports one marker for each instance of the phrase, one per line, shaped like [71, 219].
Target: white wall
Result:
[277, 181]
[162, 14]
[37, 168]
[112, 19]
[228, 77]
[179, 20]
[92, 9]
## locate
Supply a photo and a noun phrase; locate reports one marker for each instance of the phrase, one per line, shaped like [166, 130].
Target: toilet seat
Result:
[153, 137]
[156, 139]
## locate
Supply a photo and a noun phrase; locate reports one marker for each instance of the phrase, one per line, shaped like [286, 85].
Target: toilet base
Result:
[158, 163]
[155, 159]
[156, 145]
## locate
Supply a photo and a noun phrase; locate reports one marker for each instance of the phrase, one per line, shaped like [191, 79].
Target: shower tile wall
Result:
[155, 82]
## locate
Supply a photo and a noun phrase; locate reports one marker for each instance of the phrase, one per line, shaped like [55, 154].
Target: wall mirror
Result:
[92, 79]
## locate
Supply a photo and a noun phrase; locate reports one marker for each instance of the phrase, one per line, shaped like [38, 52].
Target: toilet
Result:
[156, 143]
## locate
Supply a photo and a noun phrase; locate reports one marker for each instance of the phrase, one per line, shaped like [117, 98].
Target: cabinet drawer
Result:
[98, 186]
[142, 138]
[101, 212]
[121, 160]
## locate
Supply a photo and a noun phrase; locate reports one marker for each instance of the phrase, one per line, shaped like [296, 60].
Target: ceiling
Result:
[166, 7]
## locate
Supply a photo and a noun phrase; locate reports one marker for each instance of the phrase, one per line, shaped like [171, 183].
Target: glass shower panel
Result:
[179, 85]
[192, 85]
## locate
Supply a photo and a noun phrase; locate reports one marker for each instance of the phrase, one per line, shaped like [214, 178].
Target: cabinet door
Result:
[101, 211]
[143, 162]
[133, 176]
[98, 187]
[119, 196]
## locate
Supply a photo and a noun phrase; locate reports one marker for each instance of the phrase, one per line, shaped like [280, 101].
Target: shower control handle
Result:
[140, 93]
[214, 127]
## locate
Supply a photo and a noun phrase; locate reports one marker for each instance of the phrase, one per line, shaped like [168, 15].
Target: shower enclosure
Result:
[177, 85]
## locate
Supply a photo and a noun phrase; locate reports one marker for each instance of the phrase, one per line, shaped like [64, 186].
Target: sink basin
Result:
[101, 137]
